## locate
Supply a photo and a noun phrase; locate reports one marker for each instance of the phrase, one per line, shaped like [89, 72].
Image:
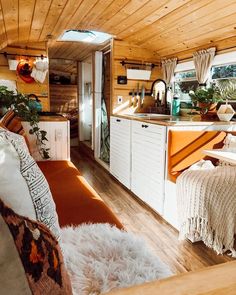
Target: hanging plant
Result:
[23, 107]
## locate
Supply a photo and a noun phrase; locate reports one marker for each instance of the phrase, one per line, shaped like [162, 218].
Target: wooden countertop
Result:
[215, 280]
[176, 121]
[52, 119]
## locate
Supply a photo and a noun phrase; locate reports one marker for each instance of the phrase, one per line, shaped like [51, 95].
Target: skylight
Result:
[85, 36]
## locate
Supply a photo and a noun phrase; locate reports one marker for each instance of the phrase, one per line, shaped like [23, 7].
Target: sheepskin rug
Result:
[100, 257]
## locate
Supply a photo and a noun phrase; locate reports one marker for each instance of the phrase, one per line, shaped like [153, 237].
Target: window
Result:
[184, 82]
[224, 76]
[223, 71]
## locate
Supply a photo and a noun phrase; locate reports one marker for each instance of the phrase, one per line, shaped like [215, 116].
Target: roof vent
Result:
[86, 36]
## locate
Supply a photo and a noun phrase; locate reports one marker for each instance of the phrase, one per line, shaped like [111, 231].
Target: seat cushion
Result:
[76, 201]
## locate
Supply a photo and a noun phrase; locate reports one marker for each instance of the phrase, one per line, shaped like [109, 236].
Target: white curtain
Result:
[168, 67]
[203, 61]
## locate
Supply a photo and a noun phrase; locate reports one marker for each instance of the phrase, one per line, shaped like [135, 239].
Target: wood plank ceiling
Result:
[167, 27]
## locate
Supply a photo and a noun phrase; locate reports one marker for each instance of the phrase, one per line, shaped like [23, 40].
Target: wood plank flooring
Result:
[180, 256]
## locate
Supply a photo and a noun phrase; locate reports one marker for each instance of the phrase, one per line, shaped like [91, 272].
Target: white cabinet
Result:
[148, 163]
[120, 149]
[58, 136]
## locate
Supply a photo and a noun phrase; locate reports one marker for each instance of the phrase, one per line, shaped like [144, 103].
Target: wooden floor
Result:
[180, 256]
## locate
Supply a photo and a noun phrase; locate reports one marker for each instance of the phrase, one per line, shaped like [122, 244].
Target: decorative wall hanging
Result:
[24, 70]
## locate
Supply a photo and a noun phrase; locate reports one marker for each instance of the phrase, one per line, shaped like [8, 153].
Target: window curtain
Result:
[203, 61]
[168, 67]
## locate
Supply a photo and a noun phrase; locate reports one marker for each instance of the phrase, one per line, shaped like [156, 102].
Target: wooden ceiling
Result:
[167, 27]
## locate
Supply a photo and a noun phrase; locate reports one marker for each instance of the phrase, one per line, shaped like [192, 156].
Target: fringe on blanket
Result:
[197, 227]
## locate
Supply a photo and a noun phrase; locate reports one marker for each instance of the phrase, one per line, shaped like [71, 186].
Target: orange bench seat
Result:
[76, 201]
[186, 148]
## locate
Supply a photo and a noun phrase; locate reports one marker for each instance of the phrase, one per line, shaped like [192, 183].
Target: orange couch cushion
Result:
[76, 201]
[185, 148]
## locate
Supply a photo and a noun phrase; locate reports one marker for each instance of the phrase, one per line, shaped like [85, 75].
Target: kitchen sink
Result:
[150, 116]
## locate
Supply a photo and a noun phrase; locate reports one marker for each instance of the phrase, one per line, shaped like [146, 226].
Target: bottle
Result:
[175, 105]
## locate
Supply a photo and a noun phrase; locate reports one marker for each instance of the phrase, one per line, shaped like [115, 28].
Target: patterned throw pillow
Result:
[31, 261]
[13, 123]
[39, 190]
[10, 174]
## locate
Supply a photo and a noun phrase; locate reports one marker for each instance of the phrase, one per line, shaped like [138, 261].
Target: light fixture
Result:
[86, 36]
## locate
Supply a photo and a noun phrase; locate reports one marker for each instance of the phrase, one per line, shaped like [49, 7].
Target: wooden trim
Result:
[217, 280]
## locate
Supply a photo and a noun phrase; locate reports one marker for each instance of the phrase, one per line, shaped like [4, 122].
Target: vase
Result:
[205, 107]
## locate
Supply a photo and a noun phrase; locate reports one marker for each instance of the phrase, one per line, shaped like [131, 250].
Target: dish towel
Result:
[206, 201]
[40, 70]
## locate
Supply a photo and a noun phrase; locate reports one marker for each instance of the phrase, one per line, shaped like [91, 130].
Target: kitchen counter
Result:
[52, 119]
[176, 121]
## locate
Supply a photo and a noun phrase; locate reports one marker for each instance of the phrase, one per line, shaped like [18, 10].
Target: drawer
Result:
[151, 130]
[116, 121]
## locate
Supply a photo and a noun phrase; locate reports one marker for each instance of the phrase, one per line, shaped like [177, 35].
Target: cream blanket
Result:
[206, 198]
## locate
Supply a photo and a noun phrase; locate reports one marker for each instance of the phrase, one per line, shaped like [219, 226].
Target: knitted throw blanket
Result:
[206, 201]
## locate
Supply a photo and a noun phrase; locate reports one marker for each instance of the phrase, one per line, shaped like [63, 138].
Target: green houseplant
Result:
[205, 98]
[227, 88]
[22, 106]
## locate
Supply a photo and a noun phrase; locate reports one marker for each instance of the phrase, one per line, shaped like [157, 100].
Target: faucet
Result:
[158, 86]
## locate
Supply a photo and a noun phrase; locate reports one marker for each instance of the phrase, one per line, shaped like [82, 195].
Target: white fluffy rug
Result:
[100, 257]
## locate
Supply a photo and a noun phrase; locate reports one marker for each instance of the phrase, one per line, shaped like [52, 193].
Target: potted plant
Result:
[205, 99]
[24, 108]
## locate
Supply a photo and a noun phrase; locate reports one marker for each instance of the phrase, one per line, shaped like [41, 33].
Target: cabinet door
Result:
[120, 150]
[58, 140]
[148, 163]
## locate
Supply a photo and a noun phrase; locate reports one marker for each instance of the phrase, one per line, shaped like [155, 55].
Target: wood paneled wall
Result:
[133, 53]
[41, 90]
[63, 98]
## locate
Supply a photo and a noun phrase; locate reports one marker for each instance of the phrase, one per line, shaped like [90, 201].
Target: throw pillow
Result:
[12, 183]
[39, 190]
[229, 146]
[13, 123]
[30, 258]
[230, 143]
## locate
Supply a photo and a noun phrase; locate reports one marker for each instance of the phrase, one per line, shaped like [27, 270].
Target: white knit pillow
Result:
[229, 146]
[38, 187]
[230, 143]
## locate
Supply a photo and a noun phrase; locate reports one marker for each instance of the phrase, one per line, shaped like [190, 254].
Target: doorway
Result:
[86, 103]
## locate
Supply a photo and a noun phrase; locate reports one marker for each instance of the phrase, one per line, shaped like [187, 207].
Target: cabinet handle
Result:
[118, 120]
[144, 126]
